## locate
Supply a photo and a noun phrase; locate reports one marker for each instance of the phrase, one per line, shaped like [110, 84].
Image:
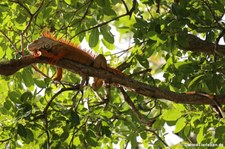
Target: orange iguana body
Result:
[51, 47]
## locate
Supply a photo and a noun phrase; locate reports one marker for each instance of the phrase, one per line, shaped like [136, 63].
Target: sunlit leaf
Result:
[2, 53]
[94, 38]
[180, 124]
[28, 78]
[108, 36]
[68, 1]
[171, 115]
[200, 135]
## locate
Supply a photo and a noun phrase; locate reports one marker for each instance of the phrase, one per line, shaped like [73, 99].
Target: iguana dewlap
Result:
[50, 47]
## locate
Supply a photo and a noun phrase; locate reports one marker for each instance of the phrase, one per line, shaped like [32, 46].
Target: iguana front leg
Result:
[54, 59]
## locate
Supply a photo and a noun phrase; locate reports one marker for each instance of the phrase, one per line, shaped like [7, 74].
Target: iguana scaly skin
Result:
[55, 49]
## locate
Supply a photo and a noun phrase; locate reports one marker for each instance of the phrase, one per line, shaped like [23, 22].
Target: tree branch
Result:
[198, 45]
[10, 67]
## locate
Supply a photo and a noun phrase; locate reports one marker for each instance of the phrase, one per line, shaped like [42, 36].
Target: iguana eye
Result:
[47, 47]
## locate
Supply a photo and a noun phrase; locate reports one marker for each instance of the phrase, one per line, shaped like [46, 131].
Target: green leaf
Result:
[30, 136]
[143, 61]
[133, 140]
[143, 135]
[94, 37]
[181, 123]
[200, 135]
[40, 83]
[158, 123]
[9, 53]
[108, 36]
[68, 1]
[64, 135]
[174, 9]
[222, 2]
[28, 78]
[107, 114]
[74, 118]
[91, 139]
[106, 131]
[21, 130]
[219, 131]
[187, 130]
[102, 3]
[2, 53]
[185, 67]
[195, 80]
[171, 115]
[26, 96]
[25, 133]
[8, 104]
[183, 40]
[26, 107]
[108, 45]
[109, 12]
[15, 96]
[77, 141]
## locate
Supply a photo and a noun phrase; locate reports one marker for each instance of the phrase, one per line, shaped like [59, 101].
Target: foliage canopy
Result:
[176, 40]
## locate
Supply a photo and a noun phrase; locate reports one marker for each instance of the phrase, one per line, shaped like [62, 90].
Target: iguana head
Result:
[41, 43]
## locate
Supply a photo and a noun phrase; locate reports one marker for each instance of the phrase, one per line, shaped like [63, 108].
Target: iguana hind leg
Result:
[99, 62]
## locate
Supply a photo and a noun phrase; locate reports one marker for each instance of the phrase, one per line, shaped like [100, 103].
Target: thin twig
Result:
[5, 140]
[14, 46]
[39, 71]
[125, 5]
[86, 11]
[18, 2]
[156, 134]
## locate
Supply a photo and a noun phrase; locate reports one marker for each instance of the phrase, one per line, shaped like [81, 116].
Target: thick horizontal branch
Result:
[198, 45]
[9, 68]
